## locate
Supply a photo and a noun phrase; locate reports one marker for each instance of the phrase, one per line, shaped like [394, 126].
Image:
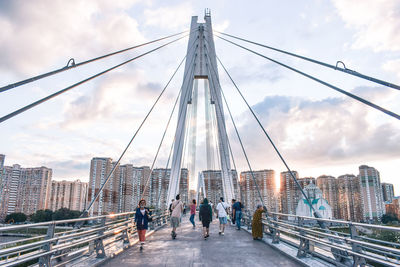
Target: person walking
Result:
[256, 224]
[233, 217]
[177, 209]
[142, 217]
[205, 215]
[222, 213]
[237, 213]
[193, 212]
[170, 206]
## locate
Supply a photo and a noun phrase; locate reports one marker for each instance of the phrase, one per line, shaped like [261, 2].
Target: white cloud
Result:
[39, 34]
[393, 66]
[222, 26]
[172, 17]
[377, 22]
[329, 132]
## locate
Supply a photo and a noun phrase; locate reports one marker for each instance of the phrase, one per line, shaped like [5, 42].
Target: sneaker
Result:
[219, 232]
[141, 247]
[222, 233]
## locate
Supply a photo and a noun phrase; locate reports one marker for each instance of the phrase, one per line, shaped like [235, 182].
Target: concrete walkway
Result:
[236, 248]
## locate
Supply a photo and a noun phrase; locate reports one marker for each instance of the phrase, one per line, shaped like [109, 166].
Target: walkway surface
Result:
[235, 248]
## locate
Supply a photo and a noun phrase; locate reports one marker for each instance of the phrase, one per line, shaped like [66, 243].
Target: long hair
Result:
[194, 201]
[142, 200]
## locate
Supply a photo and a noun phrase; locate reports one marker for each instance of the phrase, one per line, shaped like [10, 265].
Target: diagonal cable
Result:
[76, 65]
[316, 214]
[159, 147]
[345, 70]
[133, 137]
[240, 141]
[27, 107]
[187, 76]
[166, 129]
[362, 100]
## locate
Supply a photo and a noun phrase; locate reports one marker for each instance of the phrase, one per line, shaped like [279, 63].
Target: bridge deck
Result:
[236, 248]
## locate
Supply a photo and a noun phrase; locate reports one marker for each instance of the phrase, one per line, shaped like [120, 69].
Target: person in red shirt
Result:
[193, 212]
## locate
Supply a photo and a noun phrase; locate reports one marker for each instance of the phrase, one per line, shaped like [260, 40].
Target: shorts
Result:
[205, 224]
[223, 220]
[175, 222]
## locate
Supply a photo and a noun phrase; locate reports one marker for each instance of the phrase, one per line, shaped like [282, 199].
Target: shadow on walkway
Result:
[235, 248]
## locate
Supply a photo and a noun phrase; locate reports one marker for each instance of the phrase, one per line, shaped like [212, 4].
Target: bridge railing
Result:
[59, 242]
[344, 243]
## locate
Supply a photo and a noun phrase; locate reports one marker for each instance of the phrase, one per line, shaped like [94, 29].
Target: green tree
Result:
[15, 217]
[66, 214]
[388, 217]
[42, 216]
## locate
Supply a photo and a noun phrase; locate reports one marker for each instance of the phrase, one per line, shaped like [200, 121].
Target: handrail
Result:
[352, 247]
[52, 245]
[30, 225]
[391, 228]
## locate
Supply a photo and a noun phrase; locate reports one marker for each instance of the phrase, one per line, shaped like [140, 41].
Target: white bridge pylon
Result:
[201, 63]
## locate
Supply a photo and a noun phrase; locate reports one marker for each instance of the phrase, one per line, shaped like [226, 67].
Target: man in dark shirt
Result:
[237, 213]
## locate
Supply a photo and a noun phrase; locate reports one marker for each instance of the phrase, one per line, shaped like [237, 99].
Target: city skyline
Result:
[303, 180]
[360, 198]
[317, 130]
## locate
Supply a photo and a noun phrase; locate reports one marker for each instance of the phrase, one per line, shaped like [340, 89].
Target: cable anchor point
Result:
[72, 62]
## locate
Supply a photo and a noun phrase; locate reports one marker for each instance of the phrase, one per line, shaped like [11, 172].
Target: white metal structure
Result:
[201, 63]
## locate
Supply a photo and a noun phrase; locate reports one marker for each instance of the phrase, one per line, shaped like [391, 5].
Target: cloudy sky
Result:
[318, 130]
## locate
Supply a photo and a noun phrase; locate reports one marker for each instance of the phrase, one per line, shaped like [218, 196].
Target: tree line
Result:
[43, 216]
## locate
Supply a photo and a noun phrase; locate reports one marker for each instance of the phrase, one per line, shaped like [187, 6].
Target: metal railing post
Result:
[98, 243]
[126, 233]
[358, 261]
[249, 218]
[304, 247]
[275, 231]
[45, 261]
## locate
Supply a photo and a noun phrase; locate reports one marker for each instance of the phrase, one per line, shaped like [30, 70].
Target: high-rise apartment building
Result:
[371, 193]
[349, 198]
[306, 181]
[24, 190]
[213, 184]
[159, 187]
[394, 207]
[68, 194]
[99, 170]
[2, 159]
[328, 186]
[132, 182]
[388, 192]
[265, 180]
[289, 192]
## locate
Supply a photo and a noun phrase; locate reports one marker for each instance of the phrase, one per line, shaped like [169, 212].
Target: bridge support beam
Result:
[201, 50]
[45, 261]
[98, 243]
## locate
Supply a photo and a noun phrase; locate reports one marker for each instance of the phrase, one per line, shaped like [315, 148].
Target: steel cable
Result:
[388, 112]
[345, 70]
[133, 137]
[316, 214]
[76, 65]
[27, 107]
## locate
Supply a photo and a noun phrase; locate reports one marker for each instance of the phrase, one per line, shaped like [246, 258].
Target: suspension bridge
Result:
[110, 240]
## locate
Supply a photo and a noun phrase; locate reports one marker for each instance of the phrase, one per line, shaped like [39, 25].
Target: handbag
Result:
[150, 219]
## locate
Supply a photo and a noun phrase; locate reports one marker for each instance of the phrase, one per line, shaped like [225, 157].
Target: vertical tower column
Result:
[201, 63]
